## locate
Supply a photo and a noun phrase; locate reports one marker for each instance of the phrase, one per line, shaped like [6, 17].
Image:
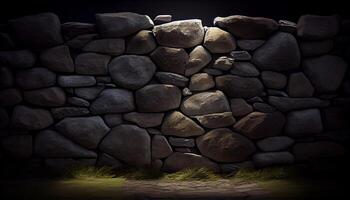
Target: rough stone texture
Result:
[21, 59]
[63, 112]
[113, 101]
[144, 120]
[272, 158]
[201, 82]
[76, 81]
[273, 80]
[313, 27]
[89, 93]
[223, 145]
[249, 45]
[244, 69]
[216, 120]
[50, 144]
[28, 118]
[37, 31]
[179, 161]
[315, 48]
[285, 104]
[247, 27]
[223, 63]
[303, 123]
[35, 78]
[157, 98]
[277, 143]
[299, 86]
[171, 79]
[57, 59]
[198, 59]
[131, 71]
[48, 97]
[217, 40]
[6, 77]
[241, 55]
[205, 103]
[236, 86]
[177, 124]
[10, 97]
[86, 131]
[160, 147]
[181, 142]
[258, 125]
[280, 53]
[325, 72]
[115, 25]
[240, 107]
[18, 146]
[170, 59]
[128, 143]
[113, 47]
[91, 64]
[182, 34]
[141, 43]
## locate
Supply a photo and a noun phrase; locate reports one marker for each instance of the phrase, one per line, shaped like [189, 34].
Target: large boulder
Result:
[216, 120]
[309, 151]
[205, 103]
[223, 145]
[299, 85]
[219, 41]
[199, 58]
[27, 118]
[258, 125]
[303, 123]
[280, 53]
[277, 143]
[51, 97]
[272, 158]
[57, 59]
[131, 71]
[326, 72]
[113, 101]
[144, 120]
[113, 47]
[115, 25]
[91, 64]
[50, 144]
[180, 161]
[285, 104]
[160, 147]
[157, 98]
[76, 81]
[313, 27]
[182, 34]
[201, 82]
[177, 124]
[37, 31]
[236, 86]
[141, 43]
[129, 143]
[18, 146]
[35, 78]
[247, 27]
[20, 59]
[170, 59]
[171, 79]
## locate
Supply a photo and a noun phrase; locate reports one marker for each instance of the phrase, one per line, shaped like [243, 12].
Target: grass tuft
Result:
[140, 174]
[90, 173]
[273, 173]
[196, 174]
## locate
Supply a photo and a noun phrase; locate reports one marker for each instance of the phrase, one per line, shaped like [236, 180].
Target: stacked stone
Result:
[123, 92]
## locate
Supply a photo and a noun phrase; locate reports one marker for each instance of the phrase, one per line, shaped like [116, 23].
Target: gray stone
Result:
[217, 40]
[285, 104]
[313, 27]
[6, 77]
[171, 79]
[57, 59]
[247, 27]
[162, 19]
[272, 158]
[10, 97]
[157, 98]
[27, 118]
[73, 29]
[241, 55]
[205, 103]
[37, 31]
[89, 93]
[255, 99]
[240, 107]
[244, 69]
[201, 82]
[303, 123]
[280, 53]
[113, 101]
[186, 92]
[80, 41]
[86, 131]
[63, 112]
[105, 160]
[263, 107]
[76, 101]
[180, 161]
[113, 119]
[277, 143]
[223, 145]
[223, 63]
[76, 81]
[170, 59]
[249, 45]
[280, 93]
[236, 86]
[154, 131]
[216, 120]
[141, 43]
[326, 72]
[315, 48]
[287, 26]
[48, 97]
[131, 71]
[177, 124]
[128, 143]
[160, 147]
[144, 120]
[317, 150]
[4, 118]
[182, 34]
[181, 142]
[6, 42]
[115, 25]
[257, 125]
[50, 144]
[273, 80]
[91, 64]
[18, 146]
[35, 78]
[199, 58]
[299, 86]
[20, 59]
[113, 47]
[213, 72]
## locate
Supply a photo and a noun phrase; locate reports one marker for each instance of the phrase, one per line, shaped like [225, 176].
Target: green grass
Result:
[196, 174]
[273, 173]
[89, 173]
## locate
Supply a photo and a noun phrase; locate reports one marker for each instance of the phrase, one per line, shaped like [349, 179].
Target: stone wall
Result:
[125, 92]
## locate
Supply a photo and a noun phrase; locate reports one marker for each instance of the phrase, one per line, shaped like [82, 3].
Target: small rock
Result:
[170, 59]
[76, 81]
[219, 41]
[263, 107]
[249, 45]
[141, 43]
[198, 59]
[299, 86]
[285, 104]
[213, 72]
[272, 158]
[303, 123]
[20, 59]
[186, 92]
[113, 101]
[223, 63]
[279, 93]
[240, 107]
[273, 80]
[313, 27]
[113, 47]
[27, 118]
[162, 19]
[181, 142]
[244, 69]
[201, 82]
[241, 55]
[160, 147]
[171, 79]
[47, 97]
[64, 112]
[144, 120]
[177, 124]
[287, 26]
[236, 86]
[57, 59]
[278, 143]
[216, 120]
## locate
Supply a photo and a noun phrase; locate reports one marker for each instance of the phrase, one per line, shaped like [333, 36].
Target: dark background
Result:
[207, 10]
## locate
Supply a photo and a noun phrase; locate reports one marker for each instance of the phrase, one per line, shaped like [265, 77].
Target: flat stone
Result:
[277, 143]
[244, 69]
[181, 142]
[141, 43]
[76, 81]
[223, 63]
[177, 124]
[241, 55]
[181, 34]
[160, 147]
[213, 72]
[309, 151]
[303, 123]
[89, 93]
[299, 86]
[116, 25]
[279, 93]
[35, 78]
[280, 45]
[273, 80]
[162, 19]
[314, 27]
[170, 59]
[113, 101]
[157, 98]
[285, 104]
[201, 82]
[64, 112]
[247, 27]
[216, 120]
[287, 26]
[131, 71]
[272, 158]
[236, 86]
[73, 29]
[249, 45]
[171, 79]
[263, 107]
[105, 160]
[128, 143]
[198, 59]
[113, 47]
[47, 97]
[18, 146]
[257, 125]
[240, 107]
[223, 145]
[28, 118]
[10, 97]
[144, 120]
[205, 103]
[91, 64]
[57, 59]
[20, 59]
[113, 119]
[6, 77]
[217, 40]
[315, 48]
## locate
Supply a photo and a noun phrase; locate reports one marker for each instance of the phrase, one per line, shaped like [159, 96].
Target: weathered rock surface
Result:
[144, 120]
[299, 86]
[236, 86]
[171, 79]
[75, 81]
[303, 123]
[170, 59]
[272, 158]
[141, 43]
[201, 82]
[18, 146]
[27, 118]
[217, 40]
[57, 59]
[223, 63]
[285, 104]
[313, 27]
[277, 143]
[177, 124]
[113, 101]
[113, 47]
[50, 97]
[216, 120]
[240, 107]
[160, 147]
[198, 59]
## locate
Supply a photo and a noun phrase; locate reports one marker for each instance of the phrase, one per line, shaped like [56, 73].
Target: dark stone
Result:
[170, 59]
[48, 97]
[162, 19]
[76, 81]
[80, 41]
[105, 160]
[244, 69]
[177, 124]
[217, 40]
[63, 112]
[57, 59]
[236, 86]
[181, 142]
[27, 118]
[313, 27]
[6, 42]
[35, 78]
[91, 64]
[144, 120]
[20, 59]
[316, 48]
[89, 93]
[272, 158]
[240, 107]
[249, 45]
[263, 107]
[73, 29]
[277, 143]
[113, 101]
[141, 43]
[216, 120]
[6, 77]
[299, 86]
[171, 79]
[18, 146]
[113, 119]
[303, 123]
[160, 147]
[285, 104]
[287, 26]
[241, 55]
[4, 118]
[113, 47]
[335, 118]
[273, 80]
[10, 97]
